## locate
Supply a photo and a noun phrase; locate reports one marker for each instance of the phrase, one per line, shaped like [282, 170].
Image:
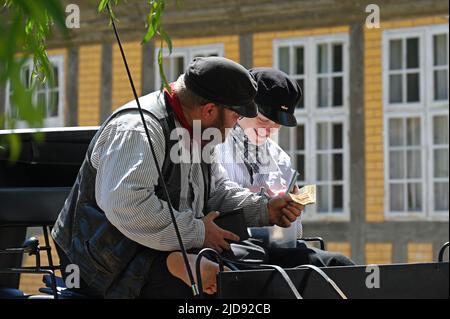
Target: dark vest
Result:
[111, 264]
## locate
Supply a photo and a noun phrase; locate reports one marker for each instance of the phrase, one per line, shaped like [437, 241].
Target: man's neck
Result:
[188, 114]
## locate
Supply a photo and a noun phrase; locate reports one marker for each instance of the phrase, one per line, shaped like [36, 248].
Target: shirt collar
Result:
[177, 109]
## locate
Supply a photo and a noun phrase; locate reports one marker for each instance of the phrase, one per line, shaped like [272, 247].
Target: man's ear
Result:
[209, 111]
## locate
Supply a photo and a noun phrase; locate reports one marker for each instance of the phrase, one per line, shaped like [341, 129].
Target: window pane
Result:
[283, 59]
[440, 49]
[283, 138]
[337, 58]
[322, 136]
[413, 164]
[395, 54]
[440, 130]
[414, 197]
[322, 58]
[41, 99]
[322, 195]
[337, 91]
[413, 131]
[441, 163]
[56, 76]
[322, 167]
[412, 53]
[26, 76]
[299, 61]
[395, 88]
[396, 132]
[323, 92]
[440, 85]
[441, 196]
[301, 103]
[413, 89]
[396, 197]
[337, 136]
[167, 70]
[338, 193]
[338, 167]
[53, 104]
[396, 164]
[178, 68]
[301, 167]
[300, 137]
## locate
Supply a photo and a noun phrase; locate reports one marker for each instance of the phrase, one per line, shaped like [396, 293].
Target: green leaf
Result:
[102, 5]
[167, 39]
[151, 31]
[164, 83]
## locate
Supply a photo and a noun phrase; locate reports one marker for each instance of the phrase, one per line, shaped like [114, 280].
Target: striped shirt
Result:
[127, 176]
[274, 174]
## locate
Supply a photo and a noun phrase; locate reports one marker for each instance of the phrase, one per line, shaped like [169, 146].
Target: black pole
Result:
[164, 187]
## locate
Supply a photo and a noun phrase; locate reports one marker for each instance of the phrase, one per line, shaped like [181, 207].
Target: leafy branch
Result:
[154, 28]
[24, 27]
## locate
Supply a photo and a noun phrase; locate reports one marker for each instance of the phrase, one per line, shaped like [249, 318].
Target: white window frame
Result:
[435, 215]
[56, 121]
[430, 66]
[311, 114]
[426, 109]
[291, 43]
[312, 159]
[403, 35]
[405, 215]
[188, 53]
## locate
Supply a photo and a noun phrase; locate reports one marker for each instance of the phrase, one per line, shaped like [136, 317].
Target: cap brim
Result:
[280, 117]
[250, 110]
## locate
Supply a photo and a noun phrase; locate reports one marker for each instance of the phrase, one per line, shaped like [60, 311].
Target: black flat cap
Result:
[224, 82]
[277, 95]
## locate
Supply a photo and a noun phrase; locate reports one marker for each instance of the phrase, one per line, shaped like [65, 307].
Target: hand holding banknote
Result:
[305, 195]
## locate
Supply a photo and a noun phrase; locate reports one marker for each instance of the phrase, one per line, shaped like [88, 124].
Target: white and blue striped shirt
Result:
[274, 175]
[127, 176]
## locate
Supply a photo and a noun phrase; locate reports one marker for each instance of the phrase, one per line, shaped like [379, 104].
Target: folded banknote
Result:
[306, 195]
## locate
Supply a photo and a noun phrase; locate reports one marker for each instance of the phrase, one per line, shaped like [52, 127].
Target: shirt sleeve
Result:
[125, 187]
[227, 195]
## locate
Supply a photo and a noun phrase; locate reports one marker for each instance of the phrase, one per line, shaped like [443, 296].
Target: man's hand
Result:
[215, 237]
[283, 210]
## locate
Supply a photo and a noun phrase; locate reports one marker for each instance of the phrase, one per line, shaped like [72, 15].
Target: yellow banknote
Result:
[306, 195]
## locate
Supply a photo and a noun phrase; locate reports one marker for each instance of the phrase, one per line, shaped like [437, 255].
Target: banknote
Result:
[306, 195]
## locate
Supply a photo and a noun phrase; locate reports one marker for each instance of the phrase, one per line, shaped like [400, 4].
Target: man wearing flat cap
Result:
[255, 161]
[115, 224]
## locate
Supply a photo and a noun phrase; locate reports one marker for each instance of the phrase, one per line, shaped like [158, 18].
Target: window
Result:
[439, 173]
[318, 146]
[50, 97]
[405, 165]
[415, 76]
[330, 166]
[440, 67]
[291, 60]
[176, 63]
[404, 70]
[329, 75]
